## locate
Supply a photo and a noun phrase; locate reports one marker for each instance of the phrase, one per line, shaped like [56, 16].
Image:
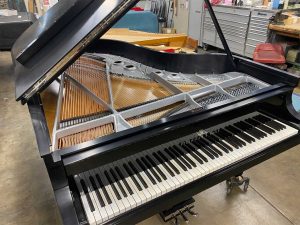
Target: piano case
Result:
[11, 27]
[99, 105]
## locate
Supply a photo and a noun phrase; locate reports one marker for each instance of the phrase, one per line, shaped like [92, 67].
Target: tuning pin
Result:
[191, 212]
[184, 217]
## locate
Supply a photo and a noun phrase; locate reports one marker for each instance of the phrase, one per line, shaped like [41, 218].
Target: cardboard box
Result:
[168, 30]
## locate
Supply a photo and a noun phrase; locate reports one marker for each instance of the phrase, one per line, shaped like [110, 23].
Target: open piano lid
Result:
[57, 39]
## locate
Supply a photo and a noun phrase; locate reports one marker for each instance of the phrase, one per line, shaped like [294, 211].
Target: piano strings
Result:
[84, 136]
[123, 87]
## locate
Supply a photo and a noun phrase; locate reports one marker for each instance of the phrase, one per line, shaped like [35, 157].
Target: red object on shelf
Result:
[169, 50]
[137, 9]
[213, 2]
[269, 53]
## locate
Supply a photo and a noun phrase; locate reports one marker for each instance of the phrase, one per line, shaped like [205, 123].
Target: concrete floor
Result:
[27, 198]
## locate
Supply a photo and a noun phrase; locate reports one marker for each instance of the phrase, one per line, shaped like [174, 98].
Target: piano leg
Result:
[237, 181]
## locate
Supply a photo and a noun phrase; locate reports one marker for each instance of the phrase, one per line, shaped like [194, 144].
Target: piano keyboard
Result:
[115, 188]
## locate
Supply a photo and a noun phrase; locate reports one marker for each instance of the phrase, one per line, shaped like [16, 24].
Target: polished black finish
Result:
[35, 58]
[38, 121]
[52, 52]
[81, 159]
[220, 33]
[190, 63]
[43, 30]
[11, 28]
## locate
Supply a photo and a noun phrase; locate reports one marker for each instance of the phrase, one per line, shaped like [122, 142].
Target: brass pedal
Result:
[179, 212]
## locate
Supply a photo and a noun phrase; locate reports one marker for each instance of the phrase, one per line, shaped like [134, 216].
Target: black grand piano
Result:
[126, 132]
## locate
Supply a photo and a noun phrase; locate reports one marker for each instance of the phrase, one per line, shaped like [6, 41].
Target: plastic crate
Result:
[269, 53]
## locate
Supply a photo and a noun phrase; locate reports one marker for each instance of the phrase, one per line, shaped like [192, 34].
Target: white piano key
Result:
[187, 177]
[119, 202]
[129, 197]
[153, 190]
[96, 213]
[172, 183]
[108, 207]
[101, 210]
[138, 196]
[115, 206]
[88, 212]
[160, 185]
[145, 191]
[124, 200]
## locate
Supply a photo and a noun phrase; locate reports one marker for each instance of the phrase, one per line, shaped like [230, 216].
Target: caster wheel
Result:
[229, 186]
[246, 185]
[205, 47]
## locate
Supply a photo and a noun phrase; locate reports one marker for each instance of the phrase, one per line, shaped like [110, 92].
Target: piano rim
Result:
[69, 214]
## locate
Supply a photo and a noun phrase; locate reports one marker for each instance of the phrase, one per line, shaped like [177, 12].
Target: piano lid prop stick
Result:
[220, 33]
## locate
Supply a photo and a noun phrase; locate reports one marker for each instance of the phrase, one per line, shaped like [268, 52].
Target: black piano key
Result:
[138, 174]
[211, 146]
[143, 167]
[202, 148]
[240, 142]
[168, 162]
[221, 135]
[240, 133]
[112, 172]
[187, 158]
[214, 140]
[259, 132]
[196, 152]
[268, 121]
[207, 147]
[124, 180]
[94, 185]
[274, 124]
[130, 173]
[161, 161]
[156, 167]
[112, 185]
[260, 126]
[188, 150]
[222, 142]
[151, 169]
[87, 194]
[278, 124]
[246, 129]
[170, 153]
[103, 189]
[180, 157]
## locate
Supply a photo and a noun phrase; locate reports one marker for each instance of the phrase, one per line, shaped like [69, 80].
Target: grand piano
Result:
[126, 132]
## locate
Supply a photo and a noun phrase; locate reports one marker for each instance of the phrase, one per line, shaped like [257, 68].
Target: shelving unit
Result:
[243, 28]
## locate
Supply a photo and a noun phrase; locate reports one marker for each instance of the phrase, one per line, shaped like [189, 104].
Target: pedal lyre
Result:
[179, 211]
